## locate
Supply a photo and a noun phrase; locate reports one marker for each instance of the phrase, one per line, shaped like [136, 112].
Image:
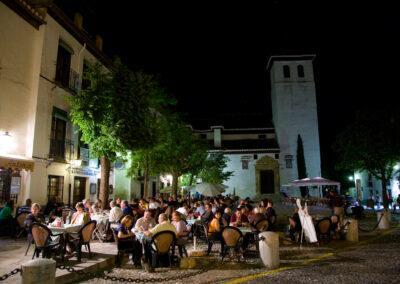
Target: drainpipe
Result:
[79, 65]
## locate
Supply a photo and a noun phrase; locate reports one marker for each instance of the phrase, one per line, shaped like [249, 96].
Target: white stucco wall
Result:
[294, 110]
[20, 51]
[243, 180]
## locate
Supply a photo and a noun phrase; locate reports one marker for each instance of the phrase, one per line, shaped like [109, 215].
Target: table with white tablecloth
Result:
[101, 226]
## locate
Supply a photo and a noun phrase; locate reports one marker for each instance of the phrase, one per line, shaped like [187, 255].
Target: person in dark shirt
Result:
[126, 209]
[270, 214]
[127, 239]
[35, 216]
[207, 215]
[226, 217]
[297, 226]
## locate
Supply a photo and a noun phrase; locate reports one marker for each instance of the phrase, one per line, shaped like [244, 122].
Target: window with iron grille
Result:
[300, 71]
[63, 65]
[55, 188]
[289, 161]
[286, 71]
[245, 164]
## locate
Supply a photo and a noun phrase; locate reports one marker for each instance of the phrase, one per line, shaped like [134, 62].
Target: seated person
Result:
[238, 219]
[214, 229]
[227, 216]
[145, 223]
[207, 216]
[128, 240]
[115, 212]
[26, 207]
[35, 216]
[126, 209]
[80, 217]
[256, 216]
[6, 218]
[163, 225]
[335, 226]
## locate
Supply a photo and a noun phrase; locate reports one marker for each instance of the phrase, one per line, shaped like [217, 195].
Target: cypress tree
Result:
[301, 164]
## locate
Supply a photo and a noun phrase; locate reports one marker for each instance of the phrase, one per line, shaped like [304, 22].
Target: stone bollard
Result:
[384, 223]
[40, 270]
[269, 249]
[352, 230]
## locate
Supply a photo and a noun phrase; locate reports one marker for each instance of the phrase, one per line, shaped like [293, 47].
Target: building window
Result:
[203, 136]
[85, 79]
[255, 156]
[55, 188]
[58, 142]
[289, 161]
[277, 156]
[262, 136]
[245, 164]
[300, 71]
[63, 65]
[286, 71]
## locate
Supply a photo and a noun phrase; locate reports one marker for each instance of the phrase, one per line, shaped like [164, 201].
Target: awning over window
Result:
[13, 163]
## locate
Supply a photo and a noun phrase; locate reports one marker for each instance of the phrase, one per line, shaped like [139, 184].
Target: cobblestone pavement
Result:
[375, 259]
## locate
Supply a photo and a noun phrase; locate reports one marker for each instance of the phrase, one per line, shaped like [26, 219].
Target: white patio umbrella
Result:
[316, 181]
[208, 189]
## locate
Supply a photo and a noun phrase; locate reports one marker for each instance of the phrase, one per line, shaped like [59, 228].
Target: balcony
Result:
[68, 80]
[61, 150]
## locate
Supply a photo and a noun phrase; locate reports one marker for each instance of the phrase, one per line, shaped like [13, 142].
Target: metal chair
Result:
[43, 243]
[323, 229]
[232, 238]
[84, 237]
[161, 245]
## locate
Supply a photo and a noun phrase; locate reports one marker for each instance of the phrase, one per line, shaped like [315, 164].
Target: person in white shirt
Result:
[153, 204]
[115, 212]
[145, 223]
[184, 210]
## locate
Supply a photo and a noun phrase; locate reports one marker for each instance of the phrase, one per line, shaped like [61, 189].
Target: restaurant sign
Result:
[16, 164]
[85, 171]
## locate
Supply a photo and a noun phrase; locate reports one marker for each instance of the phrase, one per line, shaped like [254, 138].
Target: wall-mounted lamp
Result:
[6, 142]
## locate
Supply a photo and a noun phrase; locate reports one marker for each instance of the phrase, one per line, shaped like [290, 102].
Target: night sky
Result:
[212, 57]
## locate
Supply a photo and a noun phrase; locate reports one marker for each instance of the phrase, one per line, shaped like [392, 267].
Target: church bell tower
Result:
[294, 112]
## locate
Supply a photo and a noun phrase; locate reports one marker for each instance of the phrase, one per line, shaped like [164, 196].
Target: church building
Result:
[263, 156]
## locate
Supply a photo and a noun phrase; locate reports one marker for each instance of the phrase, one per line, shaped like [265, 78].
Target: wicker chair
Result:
[323, 228]
[20, 221]
[262, 226]
[84, 237]
[232, 238]
[43, 242]
[161, 244]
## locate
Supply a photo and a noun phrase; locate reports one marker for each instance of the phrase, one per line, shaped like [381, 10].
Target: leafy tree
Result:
[179, 152]
[371, 143]
[92, 109]
[301, 164]
[213, 169]
[118, 112]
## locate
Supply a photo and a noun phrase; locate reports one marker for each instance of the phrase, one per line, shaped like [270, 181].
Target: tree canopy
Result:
[371, 143]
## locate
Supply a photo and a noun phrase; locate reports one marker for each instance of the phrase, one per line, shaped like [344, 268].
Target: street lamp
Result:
[351, 178]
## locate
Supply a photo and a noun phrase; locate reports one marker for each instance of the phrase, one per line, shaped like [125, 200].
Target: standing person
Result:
[397, 204]
[270, 214]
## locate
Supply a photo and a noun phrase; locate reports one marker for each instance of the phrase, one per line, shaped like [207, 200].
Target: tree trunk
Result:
[104, 181]
[146, 183]
[385, 198]
[175, 183]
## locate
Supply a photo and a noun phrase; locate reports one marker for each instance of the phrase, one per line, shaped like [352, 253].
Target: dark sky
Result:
[212, 54]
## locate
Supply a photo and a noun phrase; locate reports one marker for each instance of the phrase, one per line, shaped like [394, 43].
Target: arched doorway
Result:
[267, 176]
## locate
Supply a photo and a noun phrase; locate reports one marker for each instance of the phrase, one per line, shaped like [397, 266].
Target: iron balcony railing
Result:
[61, 150]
